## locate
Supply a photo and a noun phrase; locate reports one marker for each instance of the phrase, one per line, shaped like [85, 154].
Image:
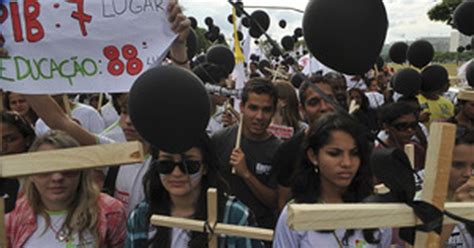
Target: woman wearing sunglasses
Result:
[334, 169]
[64, 209]
[400, 122]
[176, 185]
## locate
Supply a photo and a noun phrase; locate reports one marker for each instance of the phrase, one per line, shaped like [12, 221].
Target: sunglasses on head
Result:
[186, 166]
[404, 126]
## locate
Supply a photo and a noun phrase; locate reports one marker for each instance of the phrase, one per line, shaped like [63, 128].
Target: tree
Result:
[443, 11]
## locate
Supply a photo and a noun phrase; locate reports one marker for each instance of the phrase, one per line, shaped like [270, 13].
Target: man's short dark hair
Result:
[260, 86]
[316, 79]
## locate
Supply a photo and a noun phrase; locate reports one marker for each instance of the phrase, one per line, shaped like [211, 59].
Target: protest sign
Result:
[72, 46]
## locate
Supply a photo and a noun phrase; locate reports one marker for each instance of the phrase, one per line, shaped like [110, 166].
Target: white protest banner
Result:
[72, 46]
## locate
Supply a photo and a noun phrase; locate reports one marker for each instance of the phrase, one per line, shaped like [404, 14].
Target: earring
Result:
[316, 170]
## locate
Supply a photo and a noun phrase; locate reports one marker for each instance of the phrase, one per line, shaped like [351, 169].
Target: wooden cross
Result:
[79, 158]
[359, 216]
[217, 228]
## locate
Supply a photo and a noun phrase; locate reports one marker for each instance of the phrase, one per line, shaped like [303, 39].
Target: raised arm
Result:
[48, 110]
[180, 24]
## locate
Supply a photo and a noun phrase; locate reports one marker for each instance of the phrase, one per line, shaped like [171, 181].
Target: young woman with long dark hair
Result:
[334, 169]
[176, 185]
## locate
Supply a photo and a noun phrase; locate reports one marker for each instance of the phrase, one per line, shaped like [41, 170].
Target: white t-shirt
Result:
[49, 239]
[114, 132]
[87, 116]
[284, 237]
[129, 187]
[109, 114]
[376, 100]
[360, 84]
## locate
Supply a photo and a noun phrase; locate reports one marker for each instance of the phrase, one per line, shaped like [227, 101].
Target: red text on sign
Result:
[116, 67]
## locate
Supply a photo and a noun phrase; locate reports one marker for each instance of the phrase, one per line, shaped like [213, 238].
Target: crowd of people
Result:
[307, 143]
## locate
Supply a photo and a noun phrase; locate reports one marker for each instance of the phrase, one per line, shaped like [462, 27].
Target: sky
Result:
[408, 19]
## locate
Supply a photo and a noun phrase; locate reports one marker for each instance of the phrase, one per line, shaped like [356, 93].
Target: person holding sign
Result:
[128, 184]
[64, 209]
[334, 169]
[176, 185]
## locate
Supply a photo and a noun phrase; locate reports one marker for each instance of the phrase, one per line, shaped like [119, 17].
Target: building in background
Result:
[458, 39]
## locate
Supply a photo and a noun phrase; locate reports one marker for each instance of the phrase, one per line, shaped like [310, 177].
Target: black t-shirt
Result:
[258, 156]
[287, 157]
[9, 190]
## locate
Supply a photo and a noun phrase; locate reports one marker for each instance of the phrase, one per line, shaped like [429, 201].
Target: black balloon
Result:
[298, 32]
[275, 52]
[282, 23]
[470, 74]
[407, 82]
[223, 56]
[238, 9]
[327, 26]
[245, 22]
[434, 77]
[297, 79]
[209, 21]
[288, 43]
[169, 108]
[215, 30]
[420, 53]
[240, 36]
[193, 21]
[468, 47]
[254, 57]
[254, 33]
[460, 49]
[191, 43]
[221, 38]
[259, 23]
[229, 19]
[211, 36]
[463, 17]
[398, 52]
[256, 42]
[295, 38]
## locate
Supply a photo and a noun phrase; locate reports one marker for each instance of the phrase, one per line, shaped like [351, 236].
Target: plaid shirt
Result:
[235, 213]
[21, 223]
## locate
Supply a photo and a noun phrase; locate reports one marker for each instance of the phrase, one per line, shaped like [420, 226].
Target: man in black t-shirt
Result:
[254, 181]
[313, 106]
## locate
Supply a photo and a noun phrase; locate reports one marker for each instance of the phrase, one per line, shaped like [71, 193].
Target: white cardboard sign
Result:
[72, 46]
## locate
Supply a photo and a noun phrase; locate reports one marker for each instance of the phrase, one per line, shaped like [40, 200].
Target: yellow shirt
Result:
[440, 109]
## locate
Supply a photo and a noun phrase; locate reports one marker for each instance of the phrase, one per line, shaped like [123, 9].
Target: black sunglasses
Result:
[186, 166]
[404, 126]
